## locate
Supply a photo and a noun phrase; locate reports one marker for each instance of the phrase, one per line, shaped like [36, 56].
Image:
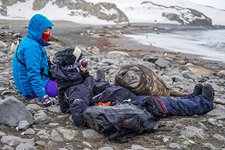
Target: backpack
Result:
[120, 122]
[114, 93]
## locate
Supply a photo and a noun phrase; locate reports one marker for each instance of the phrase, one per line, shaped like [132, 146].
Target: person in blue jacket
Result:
[30, 62]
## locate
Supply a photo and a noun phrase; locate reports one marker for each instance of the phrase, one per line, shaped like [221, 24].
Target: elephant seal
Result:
[143, 81]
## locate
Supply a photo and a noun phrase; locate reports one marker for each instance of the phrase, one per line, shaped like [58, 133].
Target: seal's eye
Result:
[123, 73]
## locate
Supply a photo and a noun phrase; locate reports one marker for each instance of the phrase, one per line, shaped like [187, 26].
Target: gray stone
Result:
[63, 116]
[32, 107]
[3, 82]
[186, 74]
[7, 147]
[208, 146]
[175, 146]
[55, 109]
[110, 61]
[53, 124]
[25, 146]
[220, 100]
[167, 79]
[217, 111]
[29, 131]
[87, 144]
[177, 78]
[92, 134]
[138, 147]
[114, 54]
[40, 143]
[55, 136]
[106, 148]
[2, 134]
[43, 134]
[2, 44]
[13, 111]
[93, 49]
[67, 133]
[221, 117]
[166, 139]
[213, 121]
[63, 149]
[151, 59]
[202, 126]
[191, 131]
[219, 137]
[221, 74]
[41, 116]
[14, 140]
[162, 63]
[23, 125]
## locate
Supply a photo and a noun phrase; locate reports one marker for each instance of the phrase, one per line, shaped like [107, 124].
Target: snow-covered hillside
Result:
[142, 11]
[105, 12]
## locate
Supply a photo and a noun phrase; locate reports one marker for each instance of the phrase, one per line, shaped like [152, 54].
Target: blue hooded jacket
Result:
[32, 53]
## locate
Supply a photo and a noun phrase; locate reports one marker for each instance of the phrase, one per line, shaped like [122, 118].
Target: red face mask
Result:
[46, 36]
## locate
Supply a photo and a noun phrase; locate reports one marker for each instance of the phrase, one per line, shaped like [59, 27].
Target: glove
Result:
[46, 101]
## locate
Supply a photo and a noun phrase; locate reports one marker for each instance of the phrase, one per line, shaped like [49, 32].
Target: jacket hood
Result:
[65, 78]
[37, 25]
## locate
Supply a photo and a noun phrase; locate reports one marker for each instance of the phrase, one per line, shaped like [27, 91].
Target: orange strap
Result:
[109, 103]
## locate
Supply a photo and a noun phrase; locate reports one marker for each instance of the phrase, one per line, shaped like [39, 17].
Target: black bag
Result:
[114, 93]
[120, 122]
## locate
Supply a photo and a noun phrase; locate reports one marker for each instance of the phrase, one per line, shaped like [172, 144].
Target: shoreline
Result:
[71, 34]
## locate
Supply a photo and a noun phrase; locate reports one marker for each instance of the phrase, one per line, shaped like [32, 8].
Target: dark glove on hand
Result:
[85, 75]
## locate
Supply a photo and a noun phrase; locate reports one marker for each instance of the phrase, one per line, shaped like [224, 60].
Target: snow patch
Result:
[108, 12]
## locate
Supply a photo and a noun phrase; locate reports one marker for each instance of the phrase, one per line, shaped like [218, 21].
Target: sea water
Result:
[208, 44]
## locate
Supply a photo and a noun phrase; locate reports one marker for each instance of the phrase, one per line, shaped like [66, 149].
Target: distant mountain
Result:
[114, 11]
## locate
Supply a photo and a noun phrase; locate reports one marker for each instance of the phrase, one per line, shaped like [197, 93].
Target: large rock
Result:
[13, 111]
[187, 16]
[15, 140]
[8, 2]
[196, 70]
[39, 4]
[103, 10]
[2, 44]
[3, 10]
[192, 132]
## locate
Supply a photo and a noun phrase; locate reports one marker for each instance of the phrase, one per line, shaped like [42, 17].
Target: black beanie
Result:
[68, 56]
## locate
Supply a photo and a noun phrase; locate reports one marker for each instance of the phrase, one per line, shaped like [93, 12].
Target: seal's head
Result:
[129, 76]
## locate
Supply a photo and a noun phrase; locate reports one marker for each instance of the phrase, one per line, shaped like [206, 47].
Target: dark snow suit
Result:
[75, 92]
[188, 105]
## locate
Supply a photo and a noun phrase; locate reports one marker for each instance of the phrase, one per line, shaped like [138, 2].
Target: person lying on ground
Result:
[78, 90]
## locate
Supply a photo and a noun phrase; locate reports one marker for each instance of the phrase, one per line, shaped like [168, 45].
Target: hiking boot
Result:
[208, 92]
[46, 101]
[100, 75]
[155, 105]
[198, 89]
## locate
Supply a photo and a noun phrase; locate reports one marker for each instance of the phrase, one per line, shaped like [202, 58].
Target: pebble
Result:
[55, 136]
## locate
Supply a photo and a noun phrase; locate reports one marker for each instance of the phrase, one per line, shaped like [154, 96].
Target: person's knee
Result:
[77, 108]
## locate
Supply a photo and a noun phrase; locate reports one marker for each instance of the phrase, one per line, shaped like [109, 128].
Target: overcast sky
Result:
[215, 3]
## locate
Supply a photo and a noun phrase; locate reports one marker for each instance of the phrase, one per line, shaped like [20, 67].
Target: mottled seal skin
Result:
[143, 81]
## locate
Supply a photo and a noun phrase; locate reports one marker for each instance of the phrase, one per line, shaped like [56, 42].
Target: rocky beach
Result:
[106, 47]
